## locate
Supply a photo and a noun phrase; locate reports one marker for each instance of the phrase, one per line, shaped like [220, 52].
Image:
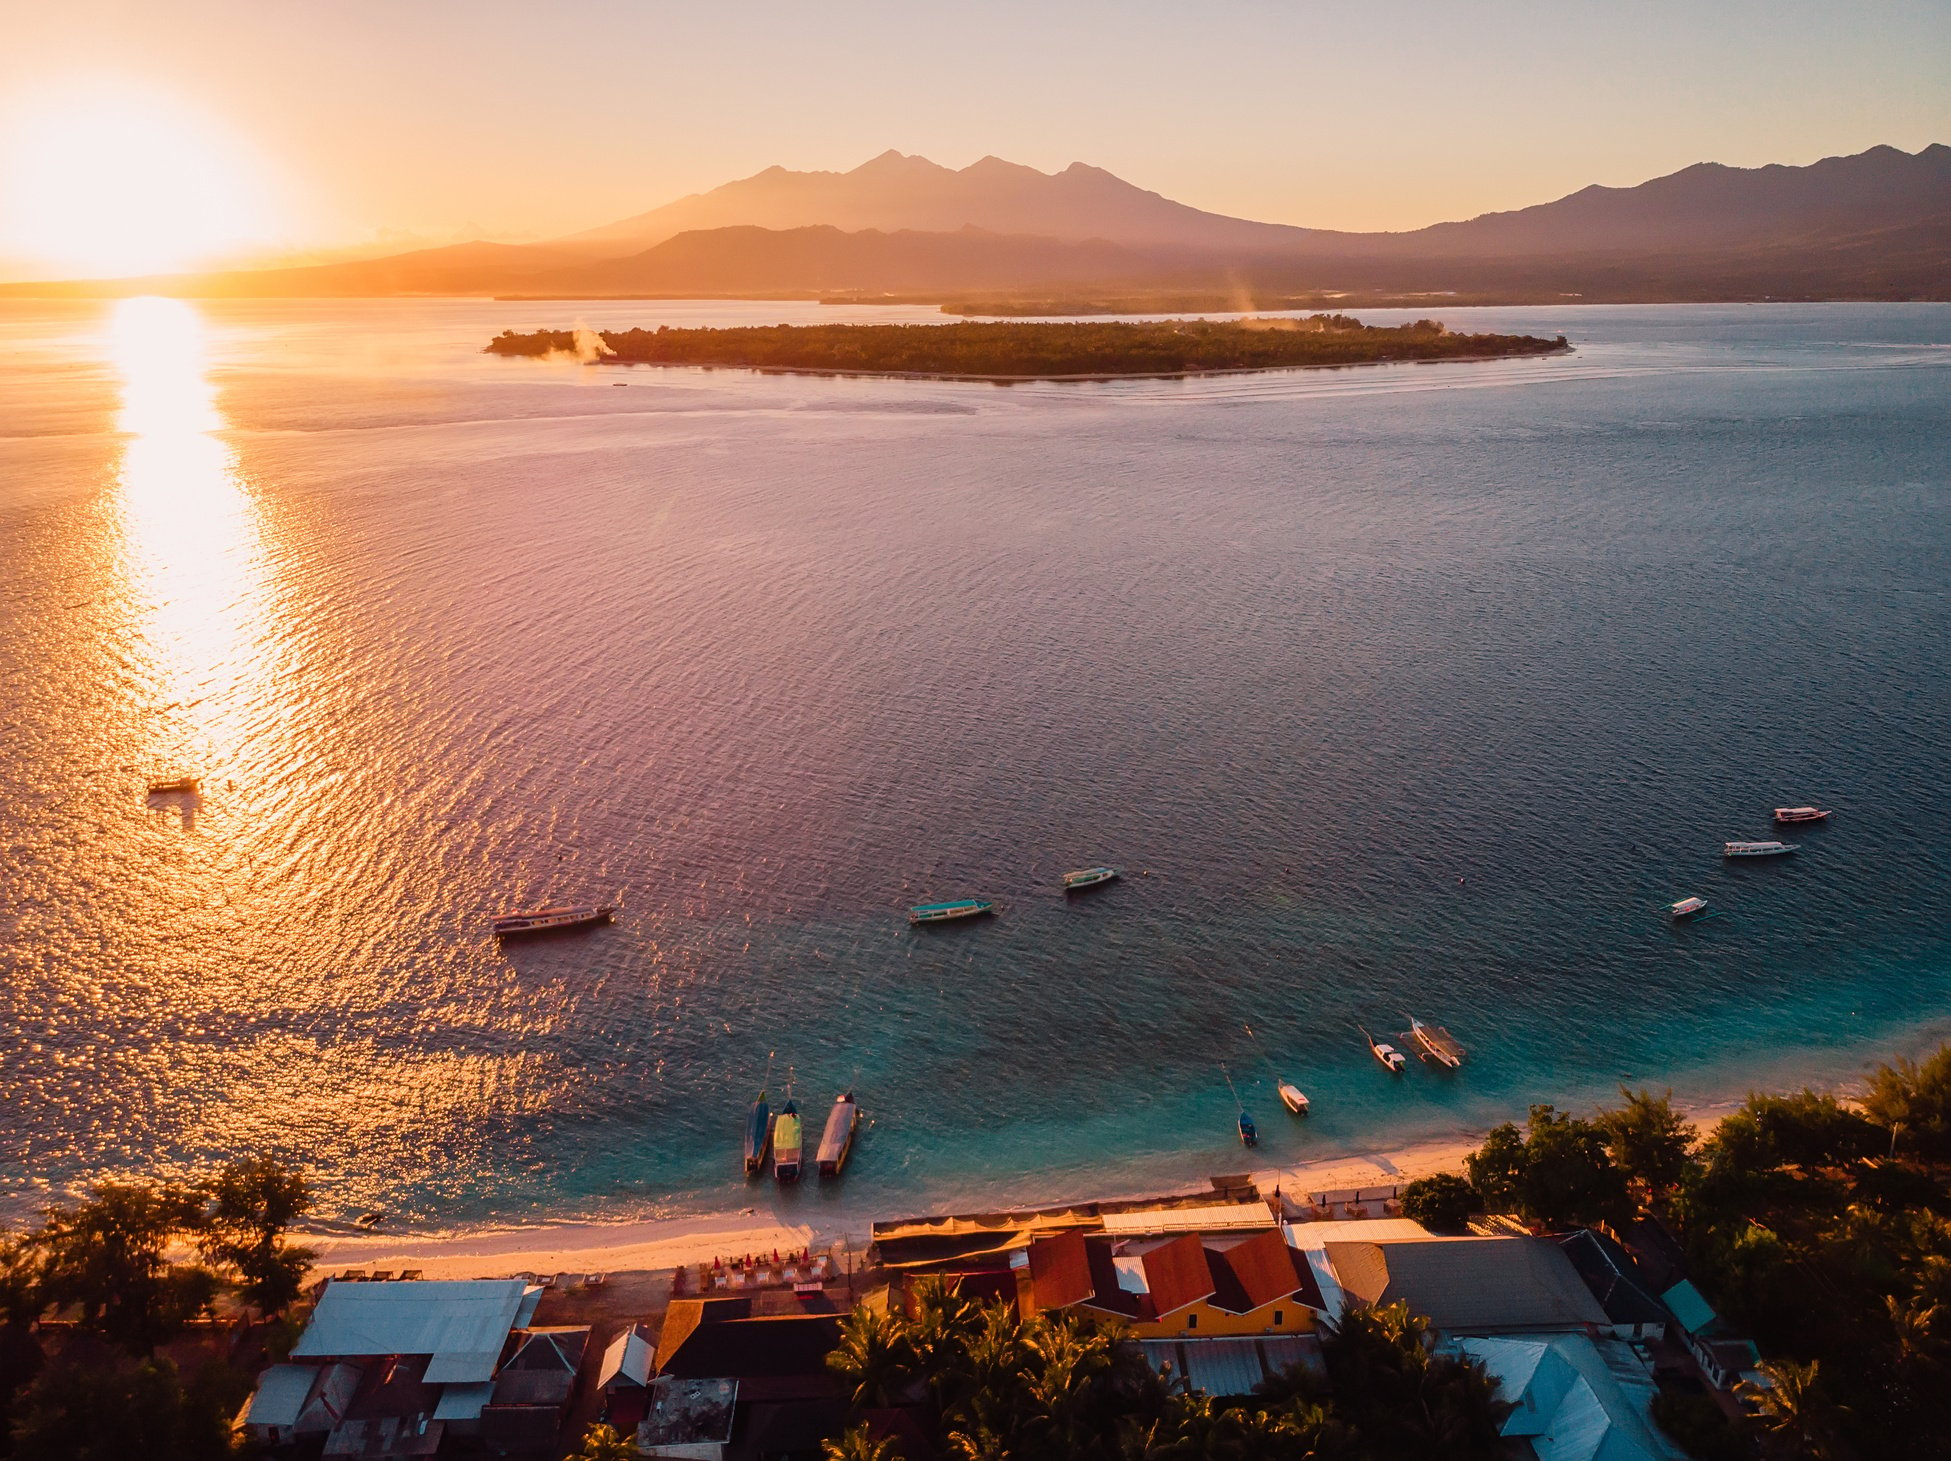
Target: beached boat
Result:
[1756, 849]
[1687, 907]
[1249, 1133]
[1292, 1098]
[168, 785]
[1393, 1060]
[1800, 814]
[788, 1132]
[1433, 1042]
[837, 1141]
[1089, 877]
[943, 912]
[551, 920]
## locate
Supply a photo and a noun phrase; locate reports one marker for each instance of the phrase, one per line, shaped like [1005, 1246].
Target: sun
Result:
[111, 181]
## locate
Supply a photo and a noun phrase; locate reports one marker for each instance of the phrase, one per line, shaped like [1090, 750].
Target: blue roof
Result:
[1690, 1307]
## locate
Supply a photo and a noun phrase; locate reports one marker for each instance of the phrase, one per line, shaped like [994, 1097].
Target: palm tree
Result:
[605, 1443]
[1794, 1409]
[857, 1443]
[876, 1354]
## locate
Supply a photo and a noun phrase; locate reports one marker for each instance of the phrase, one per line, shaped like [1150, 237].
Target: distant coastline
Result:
[1005, 352]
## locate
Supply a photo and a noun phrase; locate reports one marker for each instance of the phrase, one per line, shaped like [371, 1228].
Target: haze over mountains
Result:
[1876, 225]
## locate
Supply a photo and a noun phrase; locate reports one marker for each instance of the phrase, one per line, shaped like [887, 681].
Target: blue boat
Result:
[943, 912]
[1249, 1133]
[758, 1128]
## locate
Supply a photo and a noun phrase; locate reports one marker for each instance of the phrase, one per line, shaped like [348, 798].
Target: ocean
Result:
[1393, 690]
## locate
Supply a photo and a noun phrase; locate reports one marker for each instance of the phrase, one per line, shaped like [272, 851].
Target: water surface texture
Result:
[1414, 688]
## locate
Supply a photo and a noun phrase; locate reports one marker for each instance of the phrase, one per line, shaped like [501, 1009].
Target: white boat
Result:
[1088, 877]
[1433, 1042]
[1393, 1060]
[1292, 1098]
[1801, 814]
[1756, 849]
[838, 1138]
[550, 920]
[1686, 907]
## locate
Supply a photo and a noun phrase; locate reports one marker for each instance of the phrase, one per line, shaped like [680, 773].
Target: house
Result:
[785, 1401]
[625, 1375]
[1616, 1281]
[1470, 1285]
[532, 1389]
[1725, 1359]
[690, 1420]
[1573, 1398]
[1182, 1287]
[387, 1369]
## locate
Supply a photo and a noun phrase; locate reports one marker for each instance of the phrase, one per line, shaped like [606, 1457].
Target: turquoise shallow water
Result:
[1406, 688]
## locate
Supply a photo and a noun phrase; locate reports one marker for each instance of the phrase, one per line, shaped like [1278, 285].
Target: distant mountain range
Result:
[1876, 225]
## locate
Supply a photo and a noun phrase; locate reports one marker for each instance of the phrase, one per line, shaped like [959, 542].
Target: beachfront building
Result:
[1184, 1287]
[390, 1369]
[770, 1369]
[1469, 1285]
[623, 1379]
[1615, 1279]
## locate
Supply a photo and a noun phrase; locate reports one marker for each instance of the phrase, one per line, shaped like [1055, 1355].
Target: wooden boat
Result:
[1089, 877]
[758, 1135]
[943, 912]
[1292, 1098]
[1800, 814]
[1249, 1133]
[788, 1132]
[1687, 907]
[1433, 1042]
[551, 920]
[1756, 849]
[837, 1141]
[172, 785]
[1393, 1060]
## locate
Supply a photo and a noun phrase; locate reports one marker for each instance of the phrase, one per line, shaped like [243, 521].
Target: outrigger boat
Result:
[1800, 814]
[837, 1141]
[1686, 907]
[169, 785]
[943, 912]
[1756, 849]
[787, 1134]
[1249, 1133]
[1089, 877]
[1436, 1043]
[1292, 1097]
[551, 920]
[1393, 1060]
[758, 1128]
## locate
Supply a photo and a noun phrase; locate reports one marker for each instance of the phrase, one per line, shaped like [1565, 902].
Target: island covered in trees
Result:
[1033, 350]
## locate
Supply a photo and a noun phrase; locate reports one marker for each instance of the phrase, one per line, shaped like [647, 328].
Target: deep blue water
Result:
[1412, 688]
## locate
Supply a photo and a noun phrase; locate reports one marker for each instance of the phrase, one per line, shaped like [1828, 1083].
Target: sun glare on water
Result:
[116, 183]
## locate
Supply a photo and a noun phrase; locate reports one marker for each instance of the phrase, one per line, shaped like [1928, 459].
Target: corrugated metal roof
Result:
[1218, 1218]
[1470, 1285]
[464, 1402]
[460, 1324]
[1223, 1367]
[281, 1393]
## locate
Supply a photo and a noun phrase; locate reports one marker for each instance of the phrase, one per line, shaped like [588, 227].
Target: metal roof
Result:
[1470, 1285]
[464, 1402]
[1216, 1218]
[628, 1359]
[459, 1324]
[281, 1395]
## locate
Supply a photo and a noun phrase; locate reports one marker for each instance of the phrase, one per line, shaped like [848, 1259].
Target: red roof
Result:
[1260, 1271]
[1177, 1274]
[1060, 1271]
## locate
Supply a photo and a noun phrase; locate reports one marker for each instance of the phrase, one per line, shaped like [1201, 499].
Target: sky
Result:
[328, 122]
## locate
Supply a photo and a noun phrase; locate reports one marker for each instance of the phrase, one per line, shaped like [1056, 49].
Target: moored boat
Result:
[1393, 1060]
[788, 1132]
[1249, 1133]
[1756, 849]
[1089, 877]
[956, 908]
[168, 785]
[837, 1140]
[1687, 907]
[758, 1128]
[551, 920]
[1800, 814]
[1435, 1043]
[1292, 1097]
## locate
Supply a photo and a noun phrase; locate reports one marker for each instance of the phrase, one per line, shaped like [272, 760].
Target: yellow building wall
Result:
[1295, 1318]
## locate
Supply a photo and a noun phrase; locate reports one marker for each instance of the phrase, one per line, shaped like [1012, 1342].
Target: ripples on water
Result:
[1400, 688]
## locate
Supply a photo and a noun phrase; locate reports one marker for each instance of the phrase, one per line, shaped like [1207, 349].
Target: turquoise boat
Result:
[943, 912]
[1089, 877]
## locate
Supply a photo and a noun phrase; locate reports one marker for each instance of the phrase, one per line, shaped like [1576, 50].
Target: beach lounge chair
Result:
[412, 1275]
